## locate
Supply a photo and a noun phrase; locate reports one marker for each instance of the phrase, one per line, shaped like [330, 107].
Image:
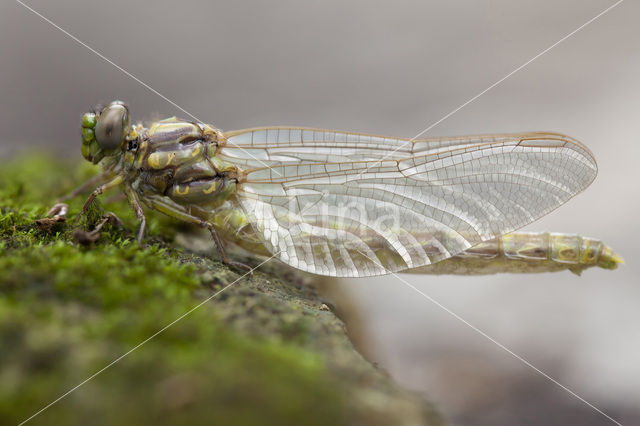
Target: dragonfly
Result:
[345, 204]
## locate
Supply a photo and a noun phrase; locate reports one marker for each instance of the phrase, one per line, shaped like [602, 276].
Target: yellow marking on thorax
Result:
[211, 188]
[197, 150]
[157, 159]
[185, 191]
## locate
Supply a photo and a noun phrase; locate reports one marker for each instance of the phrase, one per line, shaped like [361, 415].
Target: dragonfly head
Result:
[104, 132]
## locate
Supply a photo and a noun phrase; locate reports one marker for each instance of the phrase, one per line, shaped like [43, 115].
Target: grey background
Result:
[393, 68]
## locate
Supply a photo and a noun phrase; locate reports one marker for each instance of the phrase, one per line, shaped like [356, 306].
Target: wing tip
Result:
[569, 142]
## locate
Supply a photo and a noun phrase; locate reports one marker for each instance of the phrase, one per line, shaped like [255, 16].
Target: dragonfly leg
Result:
[82, 188]
[223, 253]
[134, 201]
[175, 210]
[96, 192]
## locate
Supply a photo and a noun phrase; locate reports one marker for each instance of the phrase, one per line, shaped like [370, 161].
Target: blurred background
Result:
[393, 68]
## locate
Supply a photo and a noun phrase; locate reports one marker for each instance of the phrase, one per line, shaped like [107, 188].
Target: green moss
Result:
[262, 352]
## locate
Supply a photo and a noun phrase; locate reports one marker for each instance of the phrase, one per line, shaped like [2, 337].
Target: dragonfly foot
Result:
[239, 265]
[222, 251]
[113, 220]
[87, 237]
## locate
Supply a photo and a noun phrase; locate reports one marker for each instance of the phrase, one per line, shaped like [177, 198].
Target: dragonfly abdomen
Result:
[528, 252]
[567, 249]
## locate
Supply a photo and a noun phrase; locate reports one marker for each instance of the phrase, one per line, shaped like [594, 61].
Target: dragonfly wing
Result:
[352, 205]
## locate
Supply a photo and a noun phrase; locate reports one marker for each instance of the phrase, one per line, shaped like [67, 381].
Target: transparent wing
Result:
[353, 205]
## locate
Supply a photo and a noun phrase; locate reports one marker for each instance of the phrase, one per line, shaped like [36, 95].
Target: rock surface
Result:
[266, 350]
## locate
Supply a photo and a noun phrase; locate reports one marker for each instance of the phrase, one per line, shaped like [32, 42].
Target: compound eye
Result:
[112, 126]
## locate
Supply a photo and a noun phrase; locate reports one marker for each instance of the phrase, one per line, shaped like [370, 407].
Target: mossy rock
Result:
[266, 350]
